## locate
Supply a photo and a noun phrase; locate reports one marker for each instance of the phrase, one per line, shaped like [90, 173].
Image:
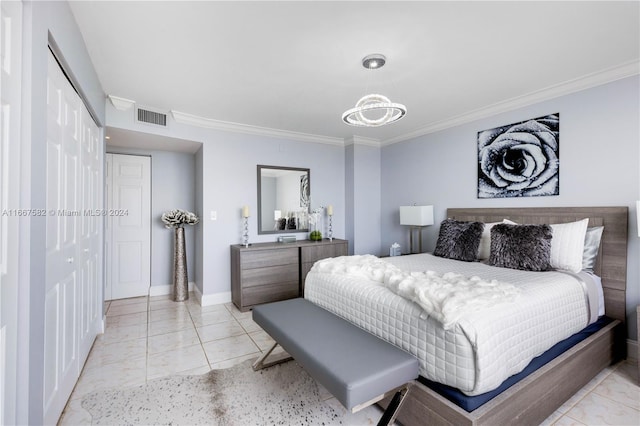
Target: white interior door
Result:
[10, 50]
[129, 225]
[73, 237]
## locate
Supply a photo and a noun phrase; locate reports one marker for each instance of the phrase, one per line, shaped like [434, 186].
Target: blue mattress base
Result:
[470, 403]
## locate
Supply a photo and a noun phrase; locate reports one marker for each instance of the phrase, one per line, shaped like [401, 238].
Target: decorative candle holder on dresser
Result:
[268, 272]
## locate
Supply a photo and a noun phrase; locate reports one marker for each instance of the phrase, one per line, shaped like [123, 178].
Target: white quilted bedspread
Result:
[445, 297]
[484, 347]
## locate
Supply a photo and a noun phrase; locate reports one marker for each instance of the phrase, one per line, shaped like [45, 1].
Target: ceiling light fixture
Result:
[374, 110]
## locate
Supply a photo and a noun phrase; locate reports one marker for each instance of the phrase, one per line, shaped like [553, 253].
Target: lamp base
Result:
[411, 246]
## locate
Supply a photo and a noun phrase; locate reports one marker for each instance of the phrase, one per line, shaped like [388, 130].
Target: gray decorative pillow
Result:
[458, 240]
[525, 247]
[591, 245]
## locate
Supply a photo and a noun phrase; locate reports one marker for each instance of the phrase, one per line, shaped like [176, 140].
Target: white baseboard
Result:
[163, 290]
[198, 294]
[211, 299]
[203, 300]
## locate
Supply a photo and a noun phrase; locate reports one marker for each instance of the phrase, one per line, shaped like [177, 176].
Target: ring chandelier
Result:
[386, 112]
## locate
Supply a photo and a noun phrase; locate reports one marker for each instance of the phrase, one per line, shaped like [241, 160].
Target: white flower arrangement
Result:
[314, 216]
[178, 218]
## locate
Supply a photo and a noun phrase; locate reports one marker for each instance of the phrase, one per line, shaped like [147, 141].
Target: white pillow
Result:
[567, 245]
[484, 248]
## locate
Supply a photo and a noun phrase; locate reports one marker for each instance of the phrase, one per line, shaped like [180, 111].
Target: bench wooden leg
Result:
[260, 363]
[389, 415]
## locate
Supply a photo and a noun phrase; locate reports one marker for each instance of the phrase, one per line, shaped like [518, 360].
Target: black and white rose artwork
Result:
[304, 190]
[521, 159]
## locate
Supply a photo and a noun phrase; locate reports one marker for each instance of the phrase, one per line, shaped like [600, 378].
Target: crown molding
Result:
[227, 126]
[121, 104]
[361, 140]
[571, 86]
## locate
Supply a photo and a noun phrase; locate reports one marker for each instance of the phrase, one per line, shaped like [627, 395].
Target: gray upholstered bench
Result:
[357, 367]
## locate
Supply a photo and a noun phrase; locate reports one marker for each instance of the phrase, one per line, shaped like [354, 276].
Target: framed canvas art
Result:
[520, 159]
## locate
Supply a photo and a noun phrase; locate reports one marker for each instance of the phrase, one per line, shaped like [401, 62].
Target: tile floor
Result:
[151, 337]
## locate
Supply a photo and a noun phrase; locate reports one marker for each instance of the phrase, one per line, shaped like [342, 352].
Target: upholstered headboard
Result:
[612, 258]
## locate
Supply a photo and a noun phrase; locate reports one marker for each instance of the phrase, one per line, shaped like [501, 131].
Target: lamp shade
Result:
[416, 215]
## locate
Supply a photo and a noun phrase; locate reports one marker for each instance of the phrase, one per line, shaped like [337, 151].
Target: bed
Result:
[534, 397]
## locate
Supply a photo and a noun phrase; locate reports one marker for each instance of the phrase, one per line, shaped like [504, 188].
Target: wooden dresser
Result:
[268, 272]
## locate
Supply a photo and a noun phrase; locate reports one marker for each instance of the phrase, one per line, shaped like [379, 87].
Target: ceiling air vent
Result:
[152, 117]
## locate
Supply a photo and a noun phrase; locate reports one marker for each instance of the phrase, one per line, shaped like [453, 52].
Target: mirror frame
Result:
[259, 219]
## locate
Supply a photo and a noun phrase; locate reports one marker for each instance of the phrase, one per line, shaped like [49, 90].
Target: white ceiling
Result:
[121, 138]
[296, 66]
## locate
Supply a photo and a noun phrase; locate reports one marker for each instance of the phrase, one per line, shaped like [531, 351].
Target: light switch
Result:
[214, 215]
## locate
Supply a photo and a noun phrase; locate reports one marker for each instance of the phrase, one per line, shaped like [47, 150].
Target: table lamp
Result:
[416, 218]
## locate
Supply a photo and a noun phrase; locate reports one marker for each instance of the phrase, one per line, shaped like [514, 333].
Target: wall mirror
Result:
[283, 199]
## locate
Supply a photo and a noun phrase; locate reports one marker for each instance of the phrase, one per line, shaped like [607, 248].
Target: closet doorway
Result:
[128, 234]
[73, 214]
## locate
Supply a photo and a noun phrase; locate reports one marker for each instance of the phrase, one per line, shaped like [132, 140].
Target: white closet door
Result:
[129, 225]
[91, 197]
[10, 50]
[63, 141]
[73, 287]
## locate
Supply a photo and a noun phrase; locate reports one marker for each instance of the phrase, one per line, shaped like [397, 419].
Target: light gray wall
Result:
[349, 176]
[363, 189]
[229, 181]
[42, 21]
[173, 186]
[599, 166]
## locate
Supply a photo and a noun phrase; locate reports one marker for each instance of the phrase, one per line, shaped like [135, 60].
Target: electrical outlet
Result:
[214, 215]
